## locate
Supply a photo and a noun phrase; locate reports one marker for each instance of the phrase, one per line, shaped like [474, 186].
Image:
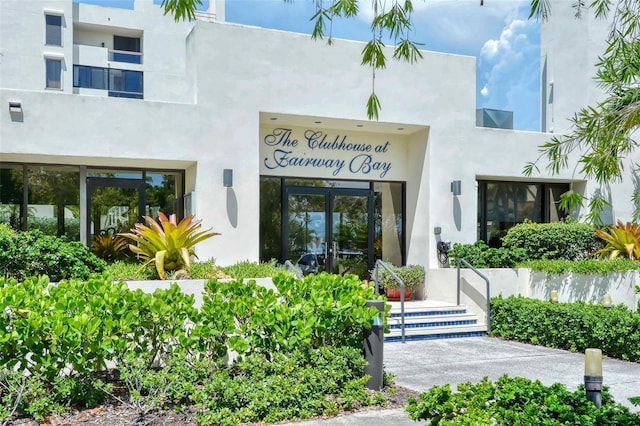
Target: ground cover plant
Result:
[572, 326]
[516, 401]
[298, 347]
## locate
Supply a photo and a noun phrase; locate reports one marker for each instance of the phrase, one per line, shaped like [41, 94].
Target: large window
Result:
[501, 205]
[53, 30]
[119, 83]
[53, 200]
[47, 197]
[126, 49]
[53, 73]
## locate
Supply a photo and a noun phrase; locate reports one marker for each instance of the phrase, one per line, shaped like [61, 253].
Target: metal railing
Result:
[486, 280]
[401, 282]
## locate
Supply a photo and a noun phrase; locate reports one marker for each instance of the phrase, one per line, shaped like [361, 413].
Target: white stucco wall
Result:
[211, 89]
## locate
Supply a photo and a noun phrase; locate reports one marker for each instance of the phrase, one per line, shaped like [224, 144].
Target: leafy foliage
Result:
[572, 326]
[586, 266]
[168, 245]
[480, 255]
[248, 269]
[33, 253]
[515, 401]
[413, 276]
[110, 247]
[621, 240]
[60, 336]
[567, 240]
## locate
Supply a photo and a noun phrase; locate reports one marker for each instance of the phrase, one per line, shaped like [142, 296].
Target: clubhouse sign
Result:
[285, 150]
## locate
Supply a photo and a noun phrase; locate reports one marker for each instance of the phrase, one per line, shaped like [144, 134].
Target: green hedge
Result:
[32, 253]
[559, 240]
[74, 329]
[481, 255]
[572, 326]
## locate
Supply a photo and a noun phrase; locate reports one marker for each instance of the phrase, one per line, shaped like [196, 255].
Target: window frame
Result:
[47, 86]
[545, 205]
[47, 26]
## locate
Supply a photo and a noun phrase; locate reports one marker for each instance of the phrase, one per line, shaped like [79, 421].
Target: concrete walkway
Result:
[420, 365]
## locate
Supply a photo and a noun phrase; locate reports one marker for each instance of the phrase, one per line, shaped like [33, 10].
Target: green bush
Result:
[299, 385]
[413, 276]
[566, 240]
[481, 255]
[76, 328]
[585, 266]
[516, 401]
[34, 254]
[248, 269]
[572, 326]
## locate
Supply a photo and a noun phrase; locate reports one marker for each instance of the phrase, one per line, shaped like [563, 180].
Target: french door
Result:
[329, 229]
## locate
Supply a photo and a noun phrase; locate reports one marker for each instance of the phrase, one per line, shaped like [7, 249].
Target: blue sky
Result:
[505, 43]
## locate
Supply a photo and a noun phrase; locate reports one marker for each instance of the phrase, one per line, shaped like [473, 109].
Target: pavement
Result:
[419, 365]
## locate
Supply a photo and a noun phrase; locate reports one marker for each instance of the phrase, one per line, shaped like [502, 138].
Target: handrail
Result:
[470, 266]
[399, 280]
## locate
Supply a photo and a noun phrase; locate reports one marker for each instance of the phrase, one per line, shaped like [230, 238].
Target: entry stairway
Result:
[430, 319]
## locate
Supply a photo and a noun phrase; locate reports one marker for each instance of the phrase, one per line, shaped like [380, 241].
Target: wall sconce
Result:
[554, 296]
[606, 301]
[15, 107]
[456, 187]
[593, 376]
[227, 178]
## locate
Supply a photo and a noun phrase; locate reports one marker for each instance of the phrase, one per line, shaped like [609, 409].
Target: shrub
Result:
[572, 326]
[110, 247]
[516, 401]
[481, 255]
[413, 276]
[248, 269]
[37, 254]
[78, 327]
[567, 240]
[585, 266]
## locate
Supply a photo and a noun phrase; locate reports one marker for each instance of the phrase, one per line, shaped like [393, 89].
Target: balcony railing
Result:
[125, 56]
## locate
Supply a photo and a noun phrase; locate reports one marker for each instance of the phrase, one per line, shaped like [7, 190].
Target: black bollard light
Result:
[593, 375]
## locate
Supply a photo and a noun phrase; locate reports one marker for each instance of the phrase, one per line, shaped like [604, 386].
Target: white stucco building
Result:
[109, 114]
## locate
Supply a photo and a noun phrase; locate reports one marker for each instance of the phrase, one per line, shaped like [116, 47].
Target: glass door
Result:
[306, 231]
[114, 205]
[350, 233]
[329, 229]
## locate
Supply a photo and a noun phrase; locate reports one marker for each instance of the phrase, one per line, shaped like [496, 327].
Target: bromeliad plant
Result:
[167, 244]
[622, 240]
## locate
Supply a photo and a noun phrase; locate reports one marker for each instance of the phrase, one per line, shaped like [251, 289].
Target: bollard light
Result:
[606, 301]
[593, 375]
[554, 296]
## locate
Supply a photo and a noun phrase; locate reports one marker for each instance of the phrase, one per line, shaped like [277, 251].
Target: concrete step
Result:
[417, 321]
[450, 332]
[429, 319]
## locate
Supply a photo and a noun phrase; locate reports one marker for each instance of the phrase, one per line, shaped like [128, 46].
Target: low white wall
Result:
[194, 287]
[441, 284]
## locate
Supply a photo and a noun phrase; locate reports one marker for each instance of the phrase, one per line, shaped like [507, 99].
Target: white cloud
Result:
[508, 72]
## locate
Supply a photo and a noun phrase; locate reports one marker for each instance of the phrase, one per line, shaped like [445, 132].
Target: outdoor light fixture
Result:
[593, 376]
[606, 301]
[554, 296]
[227, 178]
[456, 187]
[15, 107]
